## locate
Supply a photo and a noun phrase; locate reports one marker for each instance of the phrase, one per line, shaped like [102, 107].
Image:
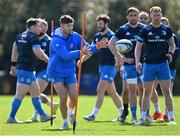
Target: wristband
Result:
[170, 53]
[13, 63]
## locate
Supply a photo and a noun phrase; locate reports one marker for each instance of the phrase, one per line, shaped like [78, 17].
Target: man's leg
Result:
[133, 101]
[111, 90]
[21, 91]
[145, 101]
[102, 87]
[165, 85]
[154, 98]
[35, 94]
[140, 93]
[63, 95]
[44, 99]
[125, 99]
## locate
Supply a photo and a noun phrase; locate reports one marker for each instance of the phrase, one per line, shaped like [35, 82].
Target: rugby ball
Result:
[124, 45]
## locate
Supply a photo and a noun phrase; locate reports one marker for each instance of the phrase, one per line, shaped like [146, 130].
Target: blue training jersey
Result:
[105, 55]
[44, 42]
[155, 43]
[63, 52]
[127, 32]
[25, 42]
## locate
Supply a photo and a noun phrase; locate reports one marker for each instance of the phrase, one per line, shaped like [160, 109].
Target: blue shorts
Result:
[153, 72]
[25, 77]
[70, 79]
[130, 74]
[173, 74]
[42, 75]
[107, 73]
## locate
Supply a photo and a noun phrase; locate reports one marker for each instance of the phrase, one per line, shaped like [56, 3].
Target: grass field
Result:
[102, 125]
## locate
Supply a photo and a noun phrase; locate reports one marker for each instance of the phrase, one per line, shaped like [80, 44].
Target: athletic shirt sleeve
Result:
[120, 33]
[61, 50]
[35, 42]
[142, 35]
[169, 34]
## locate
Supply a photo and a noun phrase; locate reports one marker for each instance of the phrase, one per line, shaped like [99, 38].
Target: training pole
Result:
[51, 85]
[79, 70]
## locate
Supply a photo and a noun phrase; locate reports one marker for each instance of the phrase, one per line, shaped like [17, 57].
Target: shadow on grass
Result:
[56, 129]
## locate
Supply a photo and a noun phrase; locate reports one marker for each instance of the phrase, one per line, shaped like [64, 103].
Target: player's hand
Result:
[102, 43]
[78, 63]
[128, 60]
[169, 57]
[86, 51]
[13, 71]
[139, 68]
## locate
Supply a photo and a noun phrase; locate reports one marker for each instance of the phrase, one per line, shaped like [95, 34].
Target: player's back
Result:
[24, 43]
[44, 42]
[105, 55]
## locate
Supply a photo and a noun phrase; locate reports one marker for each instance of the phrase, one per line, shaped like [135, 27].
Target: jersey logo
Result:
[105, 76]
[44, 76]
[157, 37]
[28, 80]
[22, 79]
[163, 32]
[128, 33]
[150, 33]
[24, 35]
[135, 36]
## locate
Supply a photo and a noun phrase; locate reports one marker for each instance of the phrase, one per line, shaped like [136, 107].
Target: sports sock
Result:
[143, 115]
[15, 106]
[38, 107]
[70, 111]
[133, 111]
[121, 110]
[125, 107]
[95, 111]
[171, 115]
[35, 114]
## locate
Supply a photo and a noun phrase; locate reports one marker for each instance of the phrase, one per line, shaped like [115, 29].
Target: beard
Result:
[41, 34]
[102, 29]
[133, 22]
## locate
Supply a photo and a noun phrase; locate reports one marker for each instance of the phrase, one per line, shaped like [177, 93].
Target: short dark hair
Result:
[132, 9]
[103, 17]
[66, 19]
[31, 22]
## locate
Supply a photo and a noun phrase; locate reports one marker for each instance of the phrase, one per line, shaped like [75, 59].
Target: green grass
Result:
[102, 126]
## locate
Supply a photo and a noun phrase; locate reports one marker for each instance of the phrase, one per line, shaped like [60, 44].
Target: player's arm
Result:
[112, 46]
[84, 58]
[14, 57]
[139, 44]
[137, 55]
[65, 54]
[171, 44]
[39, 53]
